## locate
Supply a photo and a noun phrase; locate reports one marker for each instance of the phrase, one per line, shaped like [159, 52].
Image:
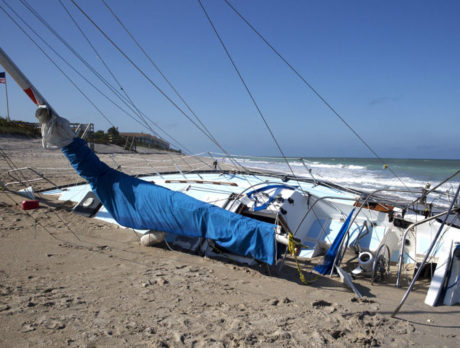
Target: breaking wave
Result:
[369, 174]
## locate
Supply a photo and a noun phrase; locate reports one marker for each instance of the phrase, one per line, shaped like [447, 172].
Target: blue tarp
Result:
[140, 204]
[325, 267]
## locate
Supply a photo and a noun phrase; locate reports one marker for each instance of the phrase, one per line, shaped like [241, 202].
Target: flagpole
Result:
[7, 105]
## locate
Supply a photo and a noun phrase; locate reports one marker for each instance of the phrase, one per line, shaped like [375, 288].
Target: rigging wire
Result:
[143, 73]
[13, 166]
[85, 62]
[174, 89]
[73, 83]
[63, 41]
[259, 111]
[314, 91]
[69, 47]
[156, 67]
[36, 14]
[139, 112]
[99, 56]
[94, 72]
[70, 65]
[56, 65]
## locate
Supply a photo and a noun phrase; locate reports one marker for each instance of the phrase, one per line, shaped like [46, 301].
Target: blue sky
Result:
[390, 68]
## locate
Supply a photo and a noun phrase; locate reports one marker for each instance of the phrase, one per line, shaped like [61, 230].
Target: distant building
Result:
[146, 140]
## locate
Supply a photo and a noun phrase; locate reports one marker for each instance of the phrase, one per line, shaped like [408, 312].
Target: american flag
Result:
[2, 77]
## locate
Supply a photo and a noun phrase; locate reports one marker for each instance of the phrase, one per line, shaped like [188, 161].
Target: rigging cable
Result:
[156, 67]
[69, 47]
[144, 74]
[13, 166]
[85, 62]
[60, 69]
[55, 64]
[68, 64]
[149, 58]
[314, 91]
[249, 92]
[100, 57]
[140, 113]
[65, 43]
[254, 101]
[35, 13]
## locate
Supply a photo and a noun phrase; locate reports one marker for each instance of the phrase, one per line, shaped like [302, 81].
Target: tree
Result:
[113, 131]
[100, 137]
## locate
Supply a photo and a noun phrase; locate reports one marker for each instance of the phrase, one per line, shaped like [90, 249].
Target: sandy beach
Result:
[66, 280]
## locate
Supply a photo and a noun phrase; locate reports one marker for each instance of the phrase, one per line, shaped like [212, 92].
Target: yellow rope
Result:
[294, 245]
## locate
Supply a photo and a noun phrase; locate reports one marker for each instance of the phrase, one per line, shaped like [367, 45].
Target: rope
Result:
[293, 246]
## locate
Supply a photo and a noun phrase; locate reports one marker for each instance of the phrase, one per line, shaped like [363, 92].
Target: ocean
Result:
[369, 174]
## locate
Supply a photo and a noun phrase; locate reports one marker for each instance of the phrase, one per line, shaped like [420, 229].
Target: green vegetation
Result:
[19, 128]
[111, 137]
[100, 137]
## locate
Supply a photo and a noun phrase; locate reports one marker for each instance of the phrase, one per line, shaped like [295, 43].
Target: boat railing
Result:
[338, 258]
[310, 208]
[360, 236]
[425, 193]
[355, 244]
[258, 158]
[362, 204]
[403, 243]
[318, 199]
[24, 180]
[427, 255]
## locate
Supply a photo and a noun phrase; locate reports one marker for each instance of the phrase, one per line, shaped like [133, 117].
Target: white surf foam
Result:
[348, 175]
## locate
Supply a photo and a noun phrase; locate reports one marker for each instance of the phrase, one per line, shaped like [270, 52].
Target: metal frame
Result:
[435, 239]
[403, 241]
[23, 182]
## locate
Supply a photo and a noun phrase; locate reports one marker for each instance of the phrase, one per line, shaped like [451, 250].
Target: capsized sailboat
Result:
[248, 215]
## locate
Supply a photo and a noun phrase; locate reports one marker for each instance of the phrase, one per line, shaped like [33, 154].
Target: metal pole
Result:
[435, 239]
[22, 80]
[7, 105]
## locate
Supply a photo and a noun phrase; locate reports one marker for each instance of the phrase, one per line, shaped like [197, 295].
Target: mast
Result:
[21, 80]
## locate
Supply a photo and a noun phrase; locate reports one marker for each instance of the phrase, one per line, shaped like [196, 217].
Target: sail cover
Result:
[140, 204]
